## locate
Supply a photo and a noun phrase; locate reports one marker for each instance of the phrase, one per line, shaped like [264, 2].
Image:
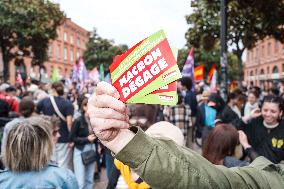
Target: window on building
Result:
[262, 51]
[276, 46]
[65, 54]
[71, 55]
[275, 69]
[77, 55]
[267, 70]
[261, 72]
[58, 52]
[71, 39]
[66, 72]
[65, 36]
[78, 42]
[50, 49]
[257, 53]
[268, 49]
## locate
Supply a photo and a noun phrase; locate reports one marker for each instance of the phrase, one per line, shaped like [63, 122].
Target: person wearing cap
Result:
[164, 164]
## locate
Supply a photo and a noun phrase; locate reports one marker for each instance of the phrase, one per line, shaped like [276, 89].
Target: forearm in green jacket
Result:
[164, 164]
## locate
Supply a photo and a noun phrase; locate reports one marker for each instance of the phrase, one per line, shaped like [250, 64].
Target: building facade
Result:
[63, 52]
[264, 64]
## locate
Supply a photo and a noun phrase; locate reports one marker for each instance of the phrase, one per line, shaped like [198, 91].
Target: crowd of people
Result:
[61, 134]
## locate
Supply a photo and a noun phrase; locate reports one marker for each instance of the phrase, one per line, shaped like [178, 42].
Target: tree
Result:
[248, 22]
[101, 51]
[26, 28]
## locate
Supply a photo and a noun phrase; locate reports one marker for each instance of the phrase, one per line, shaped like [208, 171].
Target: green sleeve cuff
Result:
[137, 150]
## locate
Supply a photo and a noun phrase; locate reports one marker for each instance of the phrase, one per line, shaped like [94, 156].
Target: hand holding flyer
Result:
[145, 68]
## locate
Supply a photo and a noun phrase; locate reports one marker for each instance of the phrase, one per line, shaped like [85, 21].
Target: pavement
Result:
[102, 182]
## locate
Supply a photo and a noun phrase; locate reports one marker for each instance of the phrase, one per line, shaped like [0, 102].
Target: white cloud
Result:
[129, 21]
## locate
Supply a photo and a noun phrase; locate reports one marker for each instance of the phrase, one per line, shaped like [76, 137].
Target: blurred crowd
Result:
[45, 129]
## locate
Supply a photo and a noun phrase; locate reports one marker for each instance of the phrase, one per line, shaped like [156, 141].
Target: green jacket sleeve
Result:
[164, 164]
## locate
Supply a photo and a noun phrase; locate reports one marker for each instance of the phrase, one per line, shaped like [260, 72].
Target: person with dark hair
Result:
[9, 96]
[83, 138]
[4, 119]
[223, 147]
[264, 130]
[160, 161]
[57, 105]
[230, 112]
[27, 107]
[189, 95]
[208, 114]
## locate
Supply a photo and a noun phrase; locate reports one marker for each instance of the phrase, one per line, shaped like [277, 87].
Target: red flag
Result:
[199, 73]
[211, 72]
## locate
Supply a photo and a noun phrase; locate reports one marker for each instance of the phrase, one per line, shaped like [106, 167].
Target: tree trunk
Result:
[6, 60]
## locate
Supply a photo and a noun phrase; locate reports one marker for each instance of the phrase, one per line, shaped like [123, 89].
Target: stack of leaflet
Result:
[147, 73]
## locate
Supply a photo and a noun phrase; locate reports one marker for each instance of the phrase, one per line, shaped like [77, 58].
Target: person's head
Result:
[186, 83]
[29, 147]
[26, 107]
[222, 141]
[272, 109]
[180, 97]
[252, 97]
[167, 130]
[216, 101]
[58, 87]
[232, 99]
[52, 122]
[4, 108]
[11, 91]
[205, 96]
[83, 105]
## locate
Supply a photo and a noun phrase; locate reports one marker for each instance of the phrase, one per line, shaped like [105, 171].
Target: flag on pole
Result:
[199, 73]
[55, 75]
[211, 72]
[213, 84]
[188, 68]
[80, 73]
[94, 75]
[102, 72]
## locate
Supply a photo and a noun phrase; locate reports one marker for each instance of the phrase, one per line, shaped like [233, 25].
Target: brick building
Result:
[62, 52]
[264, 64]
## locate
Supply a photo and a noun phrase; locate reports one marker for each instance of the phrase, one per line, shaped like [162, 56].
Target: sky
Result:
[130, 21]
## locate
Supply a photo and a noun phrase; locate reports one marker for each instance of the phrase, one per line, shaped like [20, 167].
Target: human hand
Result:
[243, 139]
[107, 114]
[255, 113]
[91, 137]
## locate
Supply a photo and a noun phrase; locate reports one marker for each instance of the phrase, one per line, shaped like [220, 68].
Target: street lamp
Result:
[223, 59]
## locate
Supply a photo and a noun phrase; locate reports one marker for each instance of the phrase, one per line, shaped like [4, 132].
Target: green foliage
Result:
[248, 22]
[26, 26]
[101, 51]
